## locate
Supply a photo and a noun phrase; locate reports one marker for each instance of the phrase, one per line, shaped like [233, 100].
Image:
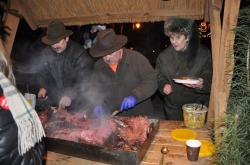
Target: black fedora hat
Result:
[55, 32]
[107, 42]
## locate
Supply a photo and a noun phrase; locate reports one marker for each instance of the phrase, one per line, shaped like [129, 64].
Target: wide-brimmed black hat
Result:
[55, 32]
[107, 42]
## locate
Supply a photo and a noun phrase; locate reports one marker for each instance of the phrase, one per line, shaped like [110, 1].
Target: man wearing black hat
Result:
[66, 68]
[125, 79]
[184, 68]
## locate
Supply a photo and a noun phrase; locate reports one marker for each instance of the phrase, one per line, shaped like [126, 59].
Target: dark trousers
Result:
[173, 113]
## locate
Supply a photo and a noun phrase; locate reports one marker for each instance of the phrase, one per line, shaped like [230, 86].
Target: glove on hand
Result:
[99, 110]
[128, 102]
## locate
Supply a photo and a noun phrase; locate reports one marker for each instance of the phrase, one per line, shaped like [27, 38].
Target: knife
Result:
[115, 112]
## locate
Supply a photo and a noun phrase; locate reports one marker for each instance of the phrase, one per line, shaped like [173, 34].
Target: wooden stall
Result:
[38, 13]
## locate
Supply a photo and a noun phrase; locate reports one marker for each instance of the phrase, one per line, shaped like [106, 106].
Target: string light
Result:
[136, 26]
[204, 29]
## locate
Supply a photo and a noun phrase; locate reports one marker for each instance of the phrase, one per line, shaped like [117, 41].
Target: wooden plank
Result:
[41, 12]
[12, 22]
[60, 159]
[176, 155]
[226, 60]
[215, 23]
[207, 6]
[159, 15]
[222, 46]
[25, 11]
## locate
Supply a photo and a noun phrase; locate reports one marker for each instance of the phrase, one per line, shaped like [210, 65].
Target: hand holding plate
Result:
[199, 84]
[167, 89]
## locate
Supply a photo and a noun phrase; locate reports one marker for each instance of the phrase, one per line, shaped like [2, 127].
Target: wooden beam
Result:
[207, 12]
[223, 60]
[24, 11]
[12, 22]
[215, 23]
[165, 12]
[226, 60]
[125, 17]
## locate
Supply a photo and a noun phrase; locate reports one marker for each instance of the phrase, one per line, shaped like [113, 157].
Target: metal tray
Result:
[101, 153]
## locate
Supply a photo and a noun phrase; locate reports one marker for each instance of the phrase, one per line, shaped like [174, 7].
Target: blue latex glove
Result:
[99, 110]
[128, 102]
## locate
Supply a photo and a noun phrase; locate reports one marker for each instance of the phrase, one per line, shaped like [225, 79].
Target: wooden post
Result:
[215, 23]
[226, 60]
[223, 60]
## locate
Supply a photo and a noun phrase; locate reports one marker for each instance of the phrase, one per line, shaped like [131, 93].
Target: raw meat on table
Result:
[60, 124]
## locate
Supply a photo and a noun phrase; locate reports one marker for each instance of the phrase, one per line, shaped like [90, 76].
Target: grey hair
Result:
[178, 25]
[6, 68]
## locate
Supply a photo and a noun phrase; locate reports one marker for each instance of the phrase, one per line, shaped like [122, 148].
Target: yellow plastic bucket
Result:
[194, 115]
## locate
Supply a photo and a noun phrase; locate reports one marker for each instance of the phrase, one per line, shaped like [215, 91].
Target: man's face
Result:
[179, 41]
[113, 58]
[60, 46]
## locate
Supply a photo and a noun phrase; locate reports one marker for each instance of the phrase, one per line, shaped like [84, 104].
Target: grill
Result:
[105, 153]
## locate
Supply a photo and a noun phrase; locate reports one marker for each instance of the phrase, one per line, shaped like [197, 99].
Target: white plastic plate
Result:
[186, 81]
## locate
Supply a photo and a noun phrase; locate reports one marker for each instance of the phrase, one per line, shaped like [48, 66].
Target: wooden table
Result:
[176, 155]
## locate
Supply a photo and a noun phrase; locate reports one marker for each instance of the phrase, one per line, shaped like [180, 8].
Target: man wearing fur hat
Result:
[66, 68]
[184, 59]
[124, 78]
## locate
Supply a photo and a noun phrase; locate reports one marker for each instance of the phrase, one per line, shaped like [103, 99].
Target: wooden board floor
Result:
[176, 155]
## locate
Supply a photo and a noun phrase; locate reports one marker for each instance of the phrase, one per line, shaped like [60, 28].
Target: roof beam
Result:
[20, 6]
[207, 12]
[126, 17]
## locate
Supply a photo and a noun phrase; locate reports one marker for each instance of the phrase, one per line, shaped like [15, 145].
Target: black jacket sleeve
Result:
[163, 76]
[9, 154]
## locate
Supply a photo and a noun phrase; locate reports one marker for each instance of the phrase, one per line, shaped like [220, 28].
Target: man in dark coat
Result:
[67, 67]
[184, 58]
[124, 78]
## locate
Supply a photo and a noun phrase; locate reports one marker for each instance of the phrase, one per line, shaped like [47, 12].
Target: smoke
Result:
[27, 59]
[28, 52]
[28, 62]
[89, 96]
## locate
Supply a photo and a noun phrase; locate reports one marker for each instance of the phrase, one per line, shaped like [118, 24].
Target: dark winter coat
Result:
[62, 74]
[134, 76]
[9, 144]
[172, 64]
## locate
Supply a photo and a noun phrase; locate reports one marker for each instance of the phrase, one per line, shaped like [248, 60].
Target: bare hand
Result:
[167, 89]
[198, 85]
[64, 102]
[42, 93]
